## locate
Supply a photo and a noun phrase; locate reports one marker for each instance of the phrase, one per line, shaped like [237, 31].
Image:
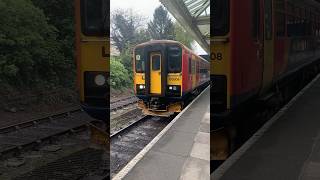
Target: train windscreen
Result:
[220, 14]
[95, 17]
[174, 59]
[139, 61]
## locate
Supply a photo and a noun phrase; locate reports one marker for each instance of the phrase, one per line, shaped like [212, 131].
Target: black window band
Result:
[220, 16]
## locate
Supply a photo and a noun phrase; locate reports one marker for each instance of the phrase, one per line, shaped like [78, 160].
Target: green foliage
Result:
[161, 27]
[126, 59]
[36, 43]
[27, 43]
[60, 14]
[119, 76]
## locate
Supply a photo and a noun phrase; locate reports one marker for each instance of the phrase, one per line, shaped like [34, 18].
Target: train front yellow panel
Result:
[175, 79]
[139, 78]
[94, 57]
[220, 62]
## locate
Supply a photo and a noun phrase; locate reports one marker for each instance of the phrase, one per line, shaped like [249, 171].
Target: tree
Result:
[126, 58]
[161, 27]
[124, 28]
[60, 14]
[182, 36]
[30, 54]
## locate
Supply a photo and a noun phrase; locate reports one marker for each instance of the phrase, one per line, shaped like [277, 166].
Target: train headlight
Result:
[174, 90]
[141, 86]
[140, 89]
[100, 80]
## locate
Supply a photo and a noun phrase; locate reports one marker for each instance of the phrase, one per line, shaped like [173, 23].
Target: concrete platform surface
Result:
[183, 152]
[290, 148]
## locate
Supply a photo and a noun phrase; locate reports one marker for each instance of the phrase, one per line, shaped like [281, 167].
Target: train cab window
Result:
[220, 14]
[95, 17]
[174, 59]
[256, 19]
[156, 62]
[139, 61]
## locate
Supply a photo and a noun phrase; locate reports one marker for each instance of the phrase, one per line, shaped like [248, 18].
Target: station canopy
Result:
[194, 16]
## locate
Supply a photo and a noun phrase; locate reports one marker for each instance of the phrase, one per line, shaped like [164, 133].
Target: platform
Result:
[286, 147]
[183, 151]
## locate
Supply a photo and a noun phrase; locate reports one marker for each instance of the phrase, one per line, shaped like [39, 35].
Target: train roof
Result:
[161, 42]
[167, 42]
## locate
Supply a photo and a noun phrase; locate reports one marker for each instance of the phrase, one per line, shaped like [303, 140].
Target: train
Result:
[92, 56]
[260, 49]
[166, 74]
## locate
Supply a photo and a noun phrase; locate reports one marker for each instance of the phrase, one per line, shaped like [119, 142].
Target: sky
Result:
[145, 8]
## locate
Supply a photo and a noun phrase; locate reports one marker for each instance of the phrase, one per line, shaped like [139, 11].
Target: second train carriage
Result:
[166, 73]
[260, 46]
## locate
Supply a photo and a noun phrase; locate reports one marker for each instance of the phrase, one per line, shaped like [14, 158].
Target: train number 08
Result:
[216, 56]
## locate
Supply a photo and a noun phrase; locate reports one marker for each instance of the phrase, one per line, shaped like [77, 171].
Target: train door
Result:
[155, 73]
[258, 34]
[190, 72]
[268, 45]
[193, 64]
[198, 72]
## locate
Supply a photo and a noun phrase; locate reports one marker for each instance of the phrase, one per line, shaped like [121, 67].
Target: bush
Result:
[119, 76]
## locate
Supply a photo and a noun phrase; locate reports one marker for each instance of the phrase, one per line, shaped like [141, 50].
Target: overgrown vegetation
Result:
[129, 29]
[36, 43]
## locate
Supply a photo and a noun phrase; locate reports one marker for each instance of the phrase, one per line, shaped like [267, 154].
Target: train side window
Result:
[256, 19]
[193, 64]
[198, 68]
[189, 63]
[156, 62]
[268, 19]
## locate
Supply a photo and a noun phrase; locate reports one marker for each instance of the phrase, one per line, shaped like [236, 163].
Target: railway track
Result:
[17, 137]
[14, 138]
[119, 104]
[19, 140]
[129, 141]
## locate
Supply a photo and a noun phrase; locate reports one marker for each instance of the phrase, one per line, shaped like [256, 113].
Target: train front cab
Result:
[92, 54]
[220, 64]
[158, 82]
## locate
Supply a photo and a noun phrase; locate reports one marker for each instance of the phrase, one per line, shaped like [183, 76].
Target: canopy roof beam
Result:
[182, 12]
